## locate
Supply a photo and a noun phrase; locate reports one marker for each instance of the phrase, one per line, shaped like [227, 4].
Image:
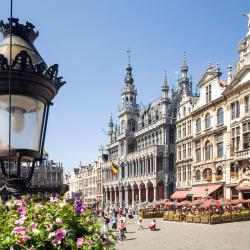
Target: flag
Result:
[114, 169]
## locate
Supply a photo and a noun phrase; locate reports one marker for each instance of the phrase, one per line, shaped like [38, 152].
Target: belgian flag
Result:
[114, 169]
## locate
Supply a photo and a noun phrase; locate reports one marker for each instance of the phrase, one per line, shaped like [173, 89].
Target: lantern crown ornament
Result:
[27, 87]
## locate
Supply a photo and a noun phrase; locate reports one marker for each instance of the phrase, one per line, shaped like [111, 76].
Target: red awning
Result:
[180, 194]
[204, 190]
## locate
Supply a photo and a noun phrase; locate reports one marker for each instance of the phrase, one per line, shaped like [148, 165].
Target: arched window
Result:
[171, 135]
[207, 174]
[219, 171]
[131, 125]
[198, 175]
[208, 151]
[207, 121]
[198, 125]
[220, 116]
[171, 162]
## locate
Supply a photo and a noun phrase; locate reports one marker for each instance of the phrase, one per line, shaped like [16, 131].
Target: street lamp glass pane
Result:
[26, 122]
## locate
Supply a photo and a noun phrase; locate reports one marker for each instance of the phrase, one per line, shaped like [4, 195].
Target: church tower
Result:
[184, 81]
[129, 109]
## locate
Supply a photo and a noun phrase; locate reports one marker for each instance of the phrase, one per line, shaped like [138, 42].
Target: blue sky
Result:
[89, 39]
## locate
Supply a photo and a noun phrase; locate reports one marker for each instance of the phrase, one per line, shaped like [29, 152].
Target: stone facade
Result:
[220, 134]
[143, 147]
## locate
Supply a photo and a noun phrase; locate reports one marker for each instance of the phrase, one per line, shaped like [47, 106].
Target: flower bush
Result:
[26, 224]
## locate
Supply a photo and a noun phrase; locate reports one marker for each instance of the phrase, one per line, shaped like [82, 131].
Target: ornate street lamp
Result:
[27, 87]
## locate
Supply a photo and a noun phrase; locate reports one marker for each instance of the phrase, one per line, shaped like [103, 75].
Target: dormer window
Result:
[131, 125]
[208, 93]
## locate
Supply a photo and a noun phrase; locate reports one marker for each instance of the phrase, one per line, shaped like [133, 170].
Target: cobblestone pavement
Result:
[187, 236]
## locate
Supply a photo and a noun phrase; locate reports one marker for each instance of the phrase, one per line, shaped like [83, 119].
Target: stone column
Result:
[115, 197]
[106, 196]
[150, 165]
[126, 197]
[133, 197]
[146, 192]
[139, 198]
[120, 197]
[155, 193]
[155, 164]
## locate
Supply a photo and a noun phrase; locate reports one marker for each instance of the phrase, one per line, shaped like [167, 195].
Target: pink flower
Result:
[53, 199]
[90, 242]
[37, 206]
[19, 230]
[21, 220]
[21, 210]
[32, 226]
[25, 238]
[60, 234]
[58, 221]
[79, 241]
[56, 242]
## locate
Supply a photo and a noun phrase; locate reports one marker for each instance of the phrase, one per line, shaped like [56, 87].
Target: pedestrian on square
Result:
[152, 225]
[114, 221]
[106, 221]
[139, 223]
[122, 229]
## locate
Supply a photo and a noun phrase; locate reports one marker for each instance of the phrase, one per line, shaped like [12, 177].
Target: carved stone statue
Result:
[248, 25]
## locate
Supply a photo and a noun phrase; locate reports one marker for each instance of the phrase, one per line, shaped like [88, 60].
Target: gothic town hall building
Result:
[143, 146]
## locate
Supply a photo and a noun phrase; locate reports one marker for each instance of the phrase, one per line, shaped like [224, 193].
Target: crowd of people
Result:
[116, 219]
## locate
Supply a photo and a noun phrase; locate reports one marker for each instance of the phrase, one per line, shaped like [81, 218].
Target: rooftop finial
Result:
[128, 51]
[185, 59]
[248, 24]
[26, 31]
[209, 66]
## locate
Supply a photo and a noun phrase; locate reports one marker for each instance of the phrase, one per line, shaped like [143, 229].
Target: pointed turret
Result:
[128, 78]
[184, 68]
[165, 87]
[184, 83]
[111, 126]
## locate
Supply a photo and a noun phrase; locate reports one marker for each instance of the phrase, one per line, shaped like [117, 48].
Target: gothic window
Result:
[220, 116]
[235, 138]
[246, 135]
[198, 175]
[208, 93]
[149, 119]
[171, 135]
[207, 174]
[198, 151]
[207, 121]
[235, 110]
[184, 111]
[189, 128]
[208, 151]
[156, 116]
[219, 171]
[247, 104]
[131, 125]
[171, 162]
[189, 149]
[198, 125]
[184, 129]
[184, 151]
[219, 141]
[160, 163]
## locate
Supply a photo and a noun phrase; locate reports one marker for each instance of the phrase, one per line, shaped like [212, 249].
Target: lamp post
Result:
[27, 87]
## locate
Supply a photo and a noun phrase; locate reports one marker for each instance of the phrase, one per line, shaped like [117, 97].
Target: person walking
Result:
[122, 228]
[139, 223]
[106, 221]
[114, 221]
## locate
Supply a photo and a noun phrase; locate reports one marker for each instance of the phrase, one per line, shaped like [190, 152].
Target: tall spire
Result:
[128, 77]
[184, 67]
[165, 87]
